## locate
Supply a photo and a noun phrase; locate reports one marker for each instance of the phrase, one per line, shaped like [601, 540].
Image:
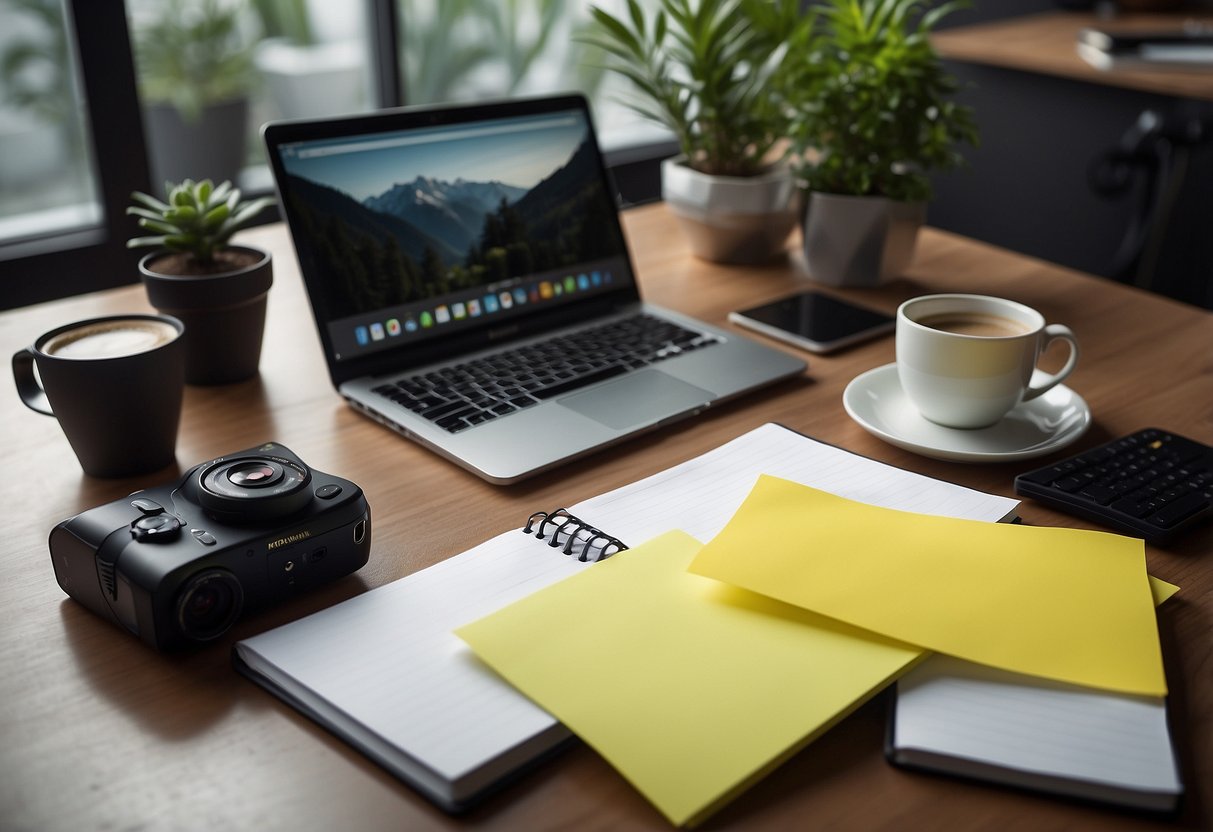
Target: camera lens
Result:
[255, 474]
[253, 489]
[209, 604]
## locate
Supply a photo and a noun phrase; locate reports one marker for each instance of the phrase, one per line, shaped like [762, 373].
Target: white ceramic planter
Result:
[310, 81]
[859, 240]
[731, 219]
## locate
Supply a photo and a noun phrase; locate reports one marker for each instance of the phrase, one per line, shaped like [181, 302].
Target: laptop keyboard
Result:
[464, 395]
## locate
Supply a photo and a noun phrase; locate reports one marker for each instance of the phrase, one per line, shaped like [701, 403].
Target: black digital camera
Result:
[177, 565]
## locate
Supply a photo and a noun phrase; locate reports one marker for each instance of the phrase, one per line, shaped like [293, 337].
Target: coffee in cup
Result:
[974, 323]
[110, 338]
[965, 361]
[115, 384]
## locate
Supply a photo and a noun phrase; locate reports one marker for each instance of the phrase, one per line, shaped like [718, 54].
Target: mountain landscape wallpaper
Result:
[455, 213]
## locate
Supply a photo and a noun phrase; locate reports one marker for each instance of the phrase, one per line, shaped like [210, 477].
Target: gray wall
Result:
[1028, 186]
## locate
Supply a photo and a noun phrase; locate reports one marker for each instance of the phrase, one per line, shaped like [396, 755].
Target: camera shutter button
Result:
[203, 537]
[154, 528]
[328, 492]
[147, 506]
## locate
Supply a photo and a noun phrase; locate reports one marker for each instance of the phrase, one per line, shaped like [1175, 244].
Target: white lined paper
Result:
[963, 718]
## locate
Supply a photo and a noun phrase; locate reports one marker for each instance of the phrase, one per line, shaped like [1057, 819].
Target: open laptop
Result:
[473, 291]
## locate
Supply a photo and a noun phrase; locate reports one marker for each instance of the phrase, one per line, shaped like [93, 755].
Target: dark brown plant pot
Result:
[223, 312]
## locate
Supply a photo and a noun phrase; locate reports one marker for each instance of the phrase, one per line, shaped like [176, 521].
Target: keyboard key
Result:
[449, 409]
[1101, 494]
[1181, 509]
[576, 383]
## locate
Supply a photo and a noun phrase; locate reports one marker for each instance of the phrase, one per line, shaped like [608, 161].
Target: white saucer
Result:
[876, 401]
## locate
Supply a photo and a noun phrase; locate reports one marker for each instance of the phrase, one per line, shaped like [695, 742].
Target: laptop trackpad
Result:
[641, 398]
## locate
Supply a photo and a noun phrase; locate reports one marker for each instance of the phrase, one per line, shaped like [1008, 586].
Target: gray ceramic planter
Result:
[224, 316]
[210, 147]
[859, 240]
[731, 219]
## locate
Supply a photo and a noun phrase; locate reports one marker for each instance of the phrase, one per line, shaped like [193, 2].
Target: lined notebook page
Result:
[700, 496]
[1059, 735]
[388, 658]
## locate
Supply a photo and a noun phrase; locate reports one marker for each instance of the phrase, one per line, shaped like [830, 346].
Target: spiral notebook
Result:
[385, 672]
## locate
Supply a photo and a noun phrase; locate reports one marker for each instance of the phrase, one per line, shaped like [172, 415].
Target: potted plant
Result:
[217, 290]
[704, 69]
[195, 74]
[872, 115]
[306, 60]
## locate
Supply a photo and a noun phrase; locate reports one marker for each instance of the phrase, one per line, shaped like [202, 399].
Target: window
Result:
[212, 71]
[46, 180]
[200, 77]
[460, 50]
[73, 241]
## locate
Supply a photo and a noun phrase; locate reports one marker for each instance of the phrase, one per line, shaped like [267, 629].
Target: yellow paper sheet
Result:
[1062, 604]
[1161, 590]
[690, 688]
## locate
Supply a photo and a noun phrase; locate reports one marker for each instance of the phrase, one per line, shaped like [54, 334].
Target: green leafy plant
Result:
[286, 19]
[198, 219]
[704, 69]
[871, 103]
[454, 48]
[193, 55]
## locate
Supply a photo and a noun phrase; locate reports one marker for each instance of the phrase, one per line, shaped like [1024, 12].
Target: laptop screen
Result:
[410, 234]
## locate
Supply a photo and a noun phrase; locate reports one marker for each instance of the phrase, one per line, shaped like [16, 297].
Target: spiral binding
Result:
[569, 531]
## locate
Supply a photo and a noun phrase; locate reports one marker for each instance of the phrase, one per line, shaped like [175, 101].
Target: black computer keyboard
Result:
[1152, 484]
[464, 395]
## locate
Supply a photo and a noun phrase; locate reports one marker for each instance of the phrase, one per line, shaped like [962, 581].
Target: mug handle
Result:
[1051, 333]
[28, 388]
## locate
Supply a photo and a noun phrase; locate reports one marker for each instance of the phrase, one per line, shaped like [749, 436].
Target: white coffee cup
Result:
[965, 361]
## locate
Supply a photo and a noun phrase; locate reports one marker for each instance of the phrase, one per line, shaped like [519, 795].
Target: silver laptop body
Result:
[432, 239]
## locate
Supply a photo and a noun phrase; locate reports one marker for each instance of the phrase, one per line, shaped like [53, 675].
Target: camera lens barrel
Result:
[208, 604]
[254, 488]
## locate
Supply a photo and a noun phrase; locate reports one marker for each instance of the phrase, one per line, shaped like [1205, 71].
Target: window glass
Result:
[461, 50]
[46, 179]
[211, 72]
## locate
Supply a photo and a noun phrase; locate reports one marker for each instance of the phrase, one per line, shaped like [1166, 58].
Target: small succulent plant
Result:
[198, 219]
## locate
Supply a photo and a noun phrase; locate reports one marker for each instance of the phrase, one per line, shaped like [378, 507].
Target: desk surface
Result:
[1044, 43]
[99, 732]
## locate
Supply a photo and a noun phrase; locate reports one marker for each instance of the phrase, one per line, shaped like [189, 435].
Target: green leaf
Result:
[615, 29]
[136, 211]
[637, 15]
[181, 214]
[150, 201]
[146, 242]
[159, 225]
[215, 217]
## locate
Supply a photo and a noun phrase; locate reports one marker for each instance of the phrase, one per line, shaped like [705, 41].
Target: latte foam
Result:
[110, 339]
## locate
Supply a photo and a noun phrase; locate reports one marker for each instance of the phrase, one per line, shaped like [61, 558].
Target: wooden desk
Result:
[98, 732]
[1044, 43]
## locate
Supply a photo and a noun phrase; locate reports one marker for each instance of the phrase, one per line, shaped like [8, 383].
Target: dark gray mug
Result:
[115, 384]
